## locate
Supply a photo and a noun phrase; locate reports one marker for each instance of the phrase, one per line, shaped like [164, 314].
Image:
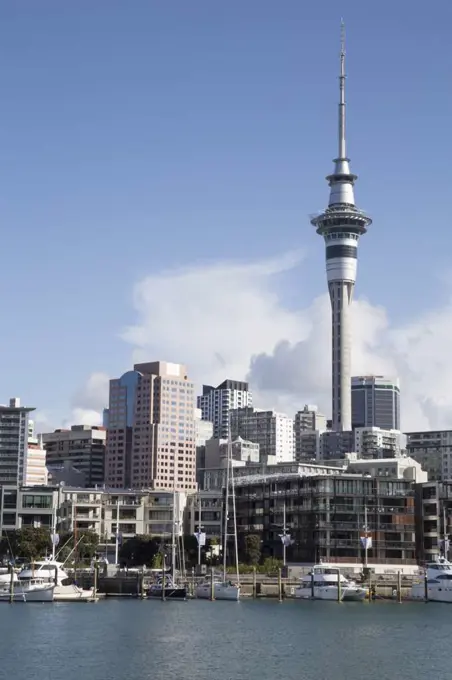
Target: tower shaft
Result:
[341, 369]
[341, 225]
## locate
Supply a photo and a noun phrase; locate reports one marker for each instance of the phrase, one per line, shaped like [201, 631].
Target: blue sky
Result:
[142, 136]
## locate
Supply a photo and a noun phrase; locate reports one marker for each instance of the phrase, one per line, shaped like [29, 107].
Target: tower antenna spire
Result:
[342, 147]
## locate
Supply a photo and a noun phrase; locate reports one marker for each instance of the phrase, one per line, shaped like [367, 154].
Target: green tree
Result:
[139, 550]
[29, 543]
[87, 544]
[271, 566]
[252, 549]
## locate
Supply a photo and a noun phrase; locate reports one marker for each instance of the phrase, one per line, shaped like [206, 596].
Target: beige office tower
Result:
[150, 434]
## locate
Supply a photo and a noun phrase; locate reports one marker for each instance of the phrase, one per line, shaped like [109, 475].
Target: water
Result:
[248, 640]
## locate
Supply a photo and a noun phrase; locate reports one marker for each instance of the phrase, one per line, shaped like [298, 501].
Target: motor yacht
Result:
[439, 582]
[322, 584]
[223, 590]
[32, 590]
[52, 572]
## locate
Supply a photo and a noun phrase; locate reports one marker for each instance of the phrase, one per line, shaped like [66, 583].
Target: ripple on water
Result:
[118, 639]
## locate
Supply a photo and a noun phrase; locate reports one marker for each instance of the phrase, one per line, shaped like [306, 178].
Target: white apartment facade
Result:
[35, 470]
[375, 442]
[216, 402]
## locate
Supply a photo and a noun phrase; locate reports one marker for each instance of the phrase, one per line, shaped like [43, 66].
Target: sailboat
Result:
[224, 589]
[166, 586]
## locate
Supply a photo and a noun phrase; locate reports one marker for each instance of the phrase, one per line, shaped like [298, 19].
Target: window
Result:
[36, 501]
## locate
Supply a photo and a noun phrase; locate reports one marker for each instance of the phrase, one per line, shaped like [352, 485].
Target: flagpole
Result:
[53, 532]
[366, 536]
[284, 534]
[199, 529]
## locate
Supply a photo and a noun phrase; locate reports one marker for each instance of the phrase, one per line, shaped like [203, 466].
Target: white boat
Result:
[5, 577]
[33, 590]
[51, 572]
[439, 582]
[325, 585]
[223, 590]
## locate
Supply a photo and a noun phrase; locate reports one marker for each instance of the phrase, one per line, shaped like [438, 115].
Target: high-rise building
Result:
[83, 447]
[120, 419]
[14, 432]
[271, 430]
[341, 225]
[375, 402]
[308, 426]
[216, 402]
[309, 419]
[151, 429]
[335, 445]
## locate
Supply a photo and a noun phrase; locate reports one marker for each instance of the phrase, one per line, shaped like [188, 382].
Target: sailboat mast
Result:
[445, 536]
[117, 533]
[236, 547]
[53, 532]
[226, 506]
[173, 534]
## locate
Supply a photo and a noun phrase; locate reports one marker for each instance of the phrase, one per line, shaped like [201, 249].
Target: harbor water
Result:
[248, 640]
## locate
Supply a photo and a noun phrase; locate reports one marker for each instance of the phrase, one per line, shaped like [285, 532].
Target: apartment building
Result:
[274, 432]
[211, 516]
[325, 515]
[216, 402]
[151, 429]
[433, 450]
[374, 442]
[433, 519]
[105, 512]
[27, 506]
[83, 446]
[241, 450]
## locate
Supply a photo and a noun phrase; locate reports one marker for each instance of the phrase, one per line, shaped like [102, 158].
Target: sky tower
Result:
[341, 225]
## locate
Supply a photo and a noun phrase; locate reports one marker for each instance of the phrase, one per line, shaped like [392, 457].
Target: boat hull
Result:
[170, 593]
[222, 591]
[348, 594]
[434, 593]
[72, 594]
[23, 594]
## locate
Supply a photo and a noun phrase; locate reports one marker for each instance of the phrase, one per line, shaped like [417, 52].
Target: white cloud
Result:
[89, 401]
[213, 317]
[225, 320]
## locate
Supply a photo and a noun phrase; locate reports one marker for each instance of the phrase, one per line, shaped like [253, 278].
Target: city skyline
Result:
[172, 163]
